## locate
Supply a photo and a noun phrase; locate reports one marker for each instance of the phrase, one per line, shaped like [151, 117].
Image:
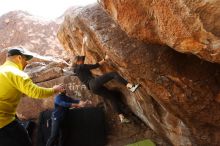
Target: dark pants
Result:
[98, 82]
[14, 134]
[109, 95]
[55, 137]
[96, 85]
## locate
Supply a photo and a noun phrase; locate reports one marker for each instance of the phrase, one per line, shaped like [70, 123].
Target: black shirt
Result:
[83, 72]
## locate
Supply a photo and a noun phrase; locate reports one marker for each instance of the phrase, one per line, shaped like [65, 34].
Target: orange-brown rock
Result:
[178, 91]
[187, 26]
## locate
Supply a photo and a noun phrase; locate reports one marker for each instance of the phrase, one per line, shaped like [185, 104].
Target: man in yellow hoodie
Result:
[13, 83]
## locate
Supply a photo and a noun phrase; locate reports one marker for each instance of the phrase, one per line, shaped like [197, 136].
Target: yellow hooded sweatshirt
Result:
[14, 82]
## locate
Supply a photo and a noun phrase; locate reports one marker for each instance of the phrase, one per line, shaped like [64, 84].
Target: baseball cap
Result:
[20, 51]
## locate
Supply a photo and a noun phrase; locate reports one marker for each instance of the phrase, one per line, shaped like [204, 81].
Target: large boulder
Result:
[178, 91]
[187, 26]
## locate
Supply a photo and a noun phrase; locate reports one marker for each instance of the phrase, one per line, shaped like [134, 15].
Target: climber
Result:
[14, 82]
[62, 104]
[96, 84]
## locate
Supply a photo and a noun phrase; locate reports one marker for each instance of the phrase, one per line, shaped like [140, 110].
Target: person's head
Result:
[77, 60]
[19, 56]
[64, 92]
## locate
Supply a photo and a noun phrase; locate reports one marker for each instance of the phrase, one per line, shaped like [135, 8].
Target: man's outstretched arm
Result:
[84, 45]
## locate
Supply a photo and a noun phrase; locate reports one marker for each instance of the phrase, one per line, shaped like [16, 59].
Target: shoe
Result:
[134, 87]
[125, 120]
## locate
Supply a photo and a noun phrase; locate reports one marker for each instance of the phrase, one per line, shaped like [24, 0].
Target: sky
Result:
[47, 9]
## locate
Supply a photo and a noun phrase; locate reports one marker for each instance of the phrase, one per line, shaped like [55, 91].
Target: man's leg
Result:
[107, 94]
[55, 128]
[115, 101]
[101, 80]
[14, 134]
[61, 131]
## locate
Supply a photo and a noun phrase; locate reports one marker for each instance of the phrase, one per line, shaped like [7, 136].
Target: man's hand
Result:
[106, 57]
[84, 103]
[58, 88]
[88, 102]
[74, 105]
[84, 45]
[103, 60]
[81, 104]
[85, 40]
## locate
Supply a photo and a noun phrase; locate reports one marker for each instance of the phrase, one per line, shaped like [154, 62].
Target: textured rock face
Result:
[178, 91]
[39, 36]
[40, 72]
[188, 26]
